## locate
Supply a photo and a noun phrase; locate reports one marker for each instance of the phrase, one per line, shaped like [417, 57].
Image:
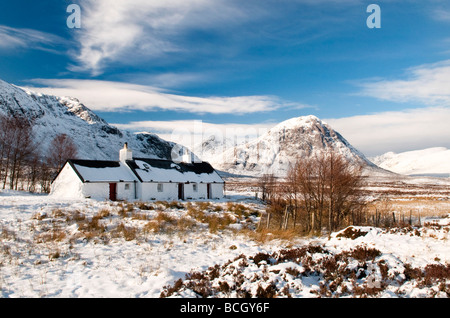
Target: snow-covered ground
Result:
[51, 247]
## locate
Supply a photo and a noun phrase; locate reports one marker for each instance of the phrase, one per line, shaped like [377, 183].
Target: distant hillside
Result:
[429, 162]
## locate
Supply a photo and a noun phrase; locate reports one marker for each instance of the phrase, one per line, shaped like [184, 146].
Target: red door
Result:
[113, 191]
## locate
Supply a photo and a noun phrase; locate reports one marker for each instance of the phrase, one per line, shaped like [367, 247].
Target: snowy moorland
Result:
[56, 248]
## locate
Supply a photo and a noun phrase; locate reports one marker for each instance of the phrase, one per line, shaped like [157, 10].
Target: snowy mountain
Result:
[431, 162]
[274, 151]
[94, 137]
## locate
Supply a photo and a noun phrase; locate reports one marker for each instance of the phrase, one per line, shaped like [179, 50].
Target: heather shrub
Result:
[336, 274]
[362, 253]
[269, 291]
[351, 233]
[258, 258]
[144, 206]
[436, 272]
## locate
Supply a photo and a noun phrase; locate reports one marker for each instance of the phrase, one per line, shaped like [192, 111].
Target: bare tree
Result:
[321, 190]
[21, 164]
[60, 150]
[3, 145]
[17, 147]
[344, 189]
[33, 172]
[267, 185]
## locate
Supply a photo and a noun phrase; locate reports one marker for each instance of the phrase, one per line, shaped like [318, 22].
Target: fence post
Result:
[376, 217]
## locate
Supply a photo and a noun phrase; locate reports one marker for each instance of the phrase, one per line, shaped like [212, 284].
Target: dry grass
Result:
[163, 222]
[266, 235]
[128, 232]
[54, 235]
[406, 210]
[428, 207]
[133, 221]
[217, 222]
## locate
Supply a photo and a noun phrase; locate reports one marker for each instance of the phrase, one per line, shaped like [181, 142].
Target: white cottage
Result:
[138, 179]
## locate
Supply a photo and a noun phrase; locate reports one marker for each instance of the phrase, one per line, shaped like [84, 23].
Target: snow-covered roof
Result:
[144, 170]
[157, 170]
[102, 171]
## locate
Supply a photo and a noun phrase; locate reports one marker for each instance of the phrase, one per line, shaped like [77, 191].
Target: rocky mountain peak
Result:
[279, 148]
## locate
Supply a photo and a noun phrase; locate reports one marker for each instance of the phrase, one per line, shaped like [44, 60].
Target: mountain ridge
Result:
[93, 136]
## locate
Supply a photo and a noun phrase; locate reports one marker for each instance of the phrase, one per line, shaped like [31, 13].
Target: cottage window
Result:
[194, 187]
[127, 186]
[160, 187]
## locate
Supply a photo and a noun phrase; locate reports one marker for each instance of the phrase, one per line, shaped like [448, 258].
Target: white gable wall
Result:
[67, 184]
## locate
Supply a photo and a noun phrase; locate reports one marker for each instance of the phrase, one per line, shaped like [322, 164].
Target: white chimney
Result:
[125, 153]
[187, 156]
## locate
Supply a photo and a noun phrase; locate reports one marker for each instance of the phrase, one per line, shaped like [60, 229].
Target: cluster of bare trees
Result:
[322, 191]
[23, 166]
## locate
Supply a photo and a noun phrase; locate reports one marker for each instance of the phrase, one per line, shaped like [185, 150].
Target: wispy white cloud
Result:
[114, 28]
[199, 129]
[397, 131]
[118, 96]
[428, 84]
[410, 129]
[441, 14]
[17, 38]
[196, 127]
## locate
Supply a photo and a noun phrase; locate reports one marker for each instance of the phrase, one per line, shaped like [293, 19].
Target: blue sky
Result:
[157, 65]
